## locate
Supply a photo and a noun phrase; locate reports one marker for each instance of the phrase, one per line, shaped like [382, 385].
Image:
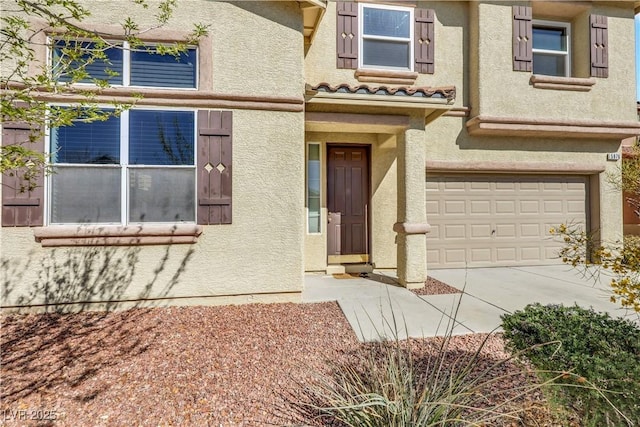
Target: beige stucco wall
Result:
[382, 208]
[260, 252]
[474, 53]
[447, 139]
[253, 48]
[450, 39]
[507, 93]
[256, 47]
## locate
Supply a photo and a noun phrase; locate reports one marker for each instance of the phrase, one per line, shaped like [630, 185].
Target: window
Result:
[122, 66]
[139, 167]
[313, 188]
[551, 42]
[386, 40]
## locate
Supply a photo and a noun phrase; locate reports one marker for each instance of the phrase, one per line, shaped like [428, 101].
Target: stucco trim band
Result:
[386, 76]
[512, 167]
[378, 123]
[179, 98]
[457, 112]
[103, 235]
[585, 129]
[562, 83]
[129, 303]
[411, 227]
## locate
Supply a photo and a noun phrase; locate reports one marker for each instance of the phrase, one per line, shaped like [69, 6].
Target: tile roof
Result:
[448, 92]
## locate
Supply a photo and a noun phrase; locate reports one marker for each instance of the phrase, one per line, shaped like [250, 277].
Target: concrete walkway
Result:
[377, 308]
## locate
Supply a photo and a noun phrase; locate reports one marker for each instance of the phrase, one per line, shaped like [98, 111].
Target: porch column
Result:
[412, 216]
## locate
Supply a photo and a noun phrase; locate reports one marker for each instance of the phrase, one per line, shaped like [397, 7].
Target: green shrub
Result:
[601, 356]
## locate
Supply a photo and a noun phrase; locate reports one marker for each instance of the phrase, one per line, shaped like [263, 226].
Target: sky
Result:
[638, 57]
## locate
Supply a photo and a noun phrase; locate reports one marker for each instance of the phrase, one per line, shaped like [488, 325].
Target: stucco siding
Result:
[450, 42]
[261, 252]
[446, 141]
[507, 93]
[252, 48]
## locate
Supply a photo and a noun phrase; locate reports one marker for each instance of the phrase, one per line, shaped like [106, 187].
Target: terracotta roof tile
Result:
[448, 92]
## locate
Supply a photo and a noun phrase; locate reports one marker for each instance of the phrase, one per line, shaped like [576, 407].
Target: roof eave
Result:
[312, 13]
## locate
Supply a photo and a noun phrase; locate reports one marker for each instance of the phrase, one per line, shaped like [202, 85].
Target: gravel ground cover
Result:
[187, 366]
[435, 287]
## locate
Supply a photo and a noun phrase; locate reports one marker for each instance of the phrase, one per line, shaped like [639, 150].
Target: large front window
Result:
[551, 42]
[138, 167]
[386, 40]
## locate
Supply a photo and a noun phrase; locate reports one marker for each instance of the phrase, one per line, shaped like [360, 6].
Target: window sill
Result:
[117, 235]
[386, 76]
[562, 83]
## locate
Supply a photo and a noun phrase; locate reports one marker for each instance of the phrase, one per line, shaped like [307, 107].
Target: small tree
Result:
[25, 79]
[621, 259]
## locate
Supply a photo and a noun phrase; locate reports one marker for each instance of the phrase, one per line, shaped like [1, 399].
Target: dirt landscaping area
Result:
[229, 366]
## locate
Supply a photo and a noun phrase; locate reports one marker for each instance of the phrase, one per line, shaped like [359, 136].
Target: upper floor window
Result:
[551, 41]
[387, 37]
[121, 65]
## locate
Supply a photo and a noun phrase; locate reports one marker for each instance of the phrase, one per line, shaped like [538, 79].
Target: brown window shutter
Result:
[214, 167]
[22, 206]
[424, 42]
[522, 38]
[599, 46]
[347, 34]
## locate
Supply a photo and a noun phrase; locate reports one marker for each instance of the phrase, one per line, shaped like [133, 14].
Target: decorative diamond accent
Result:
[220, 167]
[344, 35]
[208, 167]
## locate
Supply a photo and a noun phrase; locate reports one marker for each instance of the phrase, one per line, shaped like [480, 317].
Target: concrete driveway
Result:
[376, 309]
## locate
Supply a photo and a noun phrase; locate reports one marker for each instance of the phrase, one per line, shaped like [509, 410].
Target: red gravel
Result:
[230, 365]
[435, 287]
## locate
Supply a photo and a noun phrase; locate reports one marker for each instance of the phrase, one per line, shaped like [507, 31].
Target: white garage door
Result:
[499, 220]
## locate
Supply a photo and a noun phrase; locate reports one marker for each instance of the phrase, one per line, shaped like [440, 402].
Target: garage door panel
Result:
[575, 207]
[530, 230]
[454, 232]
[553, 206]
[485, 220]
[480, 255]
[529, 207]
[453, 207]
[529, 186]
[552, 251]
[454, 185]
[433, 207]
[506, 255]
[505, 207]
[530, 253]
[480, 231]
[480, 207]
[578, 186]
[454, 256]
[505, 231]
[552, 186]
[505, 186]
[433, 256]
[434, 231]
[480, 185]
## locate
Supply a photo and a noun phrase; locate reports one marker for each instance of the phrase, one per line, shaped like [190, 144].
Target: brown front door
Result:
[347, 203]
